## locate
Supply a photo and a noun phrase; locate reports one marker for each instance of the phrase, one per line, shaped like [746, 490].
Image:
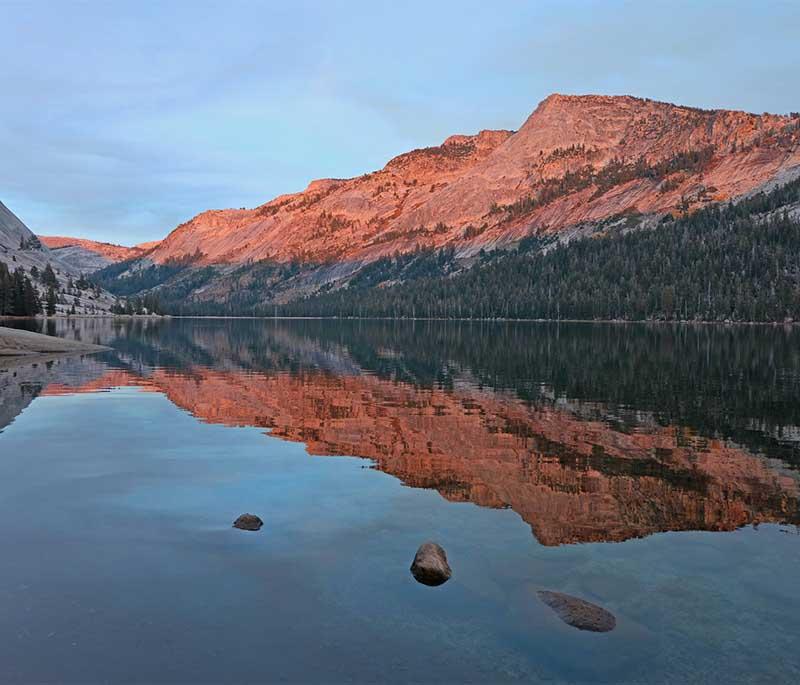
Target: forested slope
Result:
[737, 262]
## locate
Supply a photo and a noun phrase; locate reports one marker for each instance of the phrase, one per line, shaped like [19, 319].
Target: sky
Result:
[120, 120]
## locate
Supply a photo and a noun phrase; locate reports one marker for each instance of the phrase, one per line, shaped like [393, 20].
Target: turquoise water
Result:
[120, 475]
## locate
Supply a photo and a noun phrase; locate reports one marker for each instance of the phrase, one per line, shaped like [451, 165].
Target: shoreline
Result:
[494, 320]
[250, 317]
[20, 344]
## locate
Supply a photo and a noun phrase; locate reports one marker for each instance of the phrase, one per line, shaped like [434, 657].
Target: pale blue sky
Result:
[119, 120]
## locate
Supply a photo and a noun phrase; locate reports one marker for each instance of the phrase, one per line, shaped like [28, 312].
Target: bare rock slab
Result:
[14, 342]
[430, 565]
[248, 522]
[579, 613]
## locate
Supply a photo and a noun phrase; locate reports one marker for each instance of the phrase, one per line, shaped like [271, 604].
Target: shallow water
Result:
[650, 470]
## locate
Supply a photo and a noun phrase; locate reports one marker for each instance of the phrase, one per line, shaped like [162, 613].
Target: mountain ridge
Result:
[430, 197]
[580, 166]
[444, 195]
[88, 256]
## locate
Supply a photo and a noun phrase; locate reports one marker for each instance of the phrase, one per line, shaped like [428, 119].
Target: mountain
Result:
[577, 161]
[88, 256]
[727, 262]
[12, 230]
[430, 197]
[333, 219]
[21, 249]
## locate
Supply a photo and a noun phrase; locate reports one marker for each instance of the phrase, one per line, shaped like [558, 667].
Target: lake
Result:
[651, 470]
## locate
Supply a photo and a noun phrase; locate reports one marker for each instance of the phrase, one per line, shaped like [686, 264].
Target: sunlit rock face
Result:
[455, 194]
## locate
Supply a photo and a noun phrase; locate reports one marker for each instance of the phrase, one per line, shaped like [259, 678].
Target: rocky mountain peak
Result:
[576, 159]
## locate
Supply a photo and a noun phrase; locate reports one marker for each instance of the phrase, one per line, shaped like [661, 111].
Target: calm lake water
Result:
[650, 470]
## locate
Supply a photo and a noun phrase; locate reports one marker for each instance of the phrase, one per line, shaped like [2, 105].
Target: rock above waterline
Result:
[430, 565]
[248, 522]
[579, 613]
[19, 343]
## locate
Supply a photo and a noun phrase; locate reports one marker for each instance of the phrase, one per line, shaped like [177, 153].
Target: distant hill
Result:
[88, 256]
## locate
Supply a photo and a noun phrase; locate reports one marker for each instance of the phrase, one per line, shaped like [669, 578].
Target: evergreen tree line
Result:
[123, 280]
[18, 296]
[113, 280]
[148, 303]
[737, 262]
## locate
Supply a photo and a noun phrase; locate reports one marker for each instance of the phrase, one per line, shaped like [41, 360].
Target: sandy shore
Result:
[16, 343]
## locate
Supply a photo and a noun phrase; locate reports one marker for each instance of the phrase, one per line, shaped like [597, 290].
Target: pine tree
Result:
[49, 276]
[51, 301]
[31, 304]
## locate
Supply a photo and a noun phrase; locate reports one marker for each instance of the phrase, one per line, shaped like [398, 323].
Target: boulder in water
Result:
[579, 613]
[248, 522]
[430, 565]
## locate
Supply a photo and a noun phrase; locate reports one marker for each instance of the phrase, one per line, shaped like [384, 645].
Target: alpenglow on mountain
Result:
[579, 166]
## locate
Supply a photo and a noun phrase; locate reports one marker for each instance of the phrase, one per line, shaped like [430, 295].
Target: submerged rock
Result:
[579, 613]
[248, 522]
[430, 565]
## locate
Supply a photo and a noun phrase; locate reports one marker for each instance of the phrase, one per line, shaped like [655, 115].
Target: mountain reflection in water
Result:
[589, 433]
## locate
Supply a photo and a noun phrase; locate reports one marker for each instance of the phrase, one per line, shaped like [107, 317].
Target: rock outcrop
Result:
[19, 343]
[248, 522]
[578, 612]
[430, 565]
[19, 247]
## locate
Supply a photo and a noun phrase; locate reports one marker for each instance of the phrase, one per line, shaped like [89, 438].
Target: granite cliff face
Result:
[576, 159]
[20, 247]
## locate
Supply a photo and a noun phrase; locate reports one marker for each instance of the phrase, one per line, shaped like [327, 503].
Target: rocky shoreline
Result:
[18, 343]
